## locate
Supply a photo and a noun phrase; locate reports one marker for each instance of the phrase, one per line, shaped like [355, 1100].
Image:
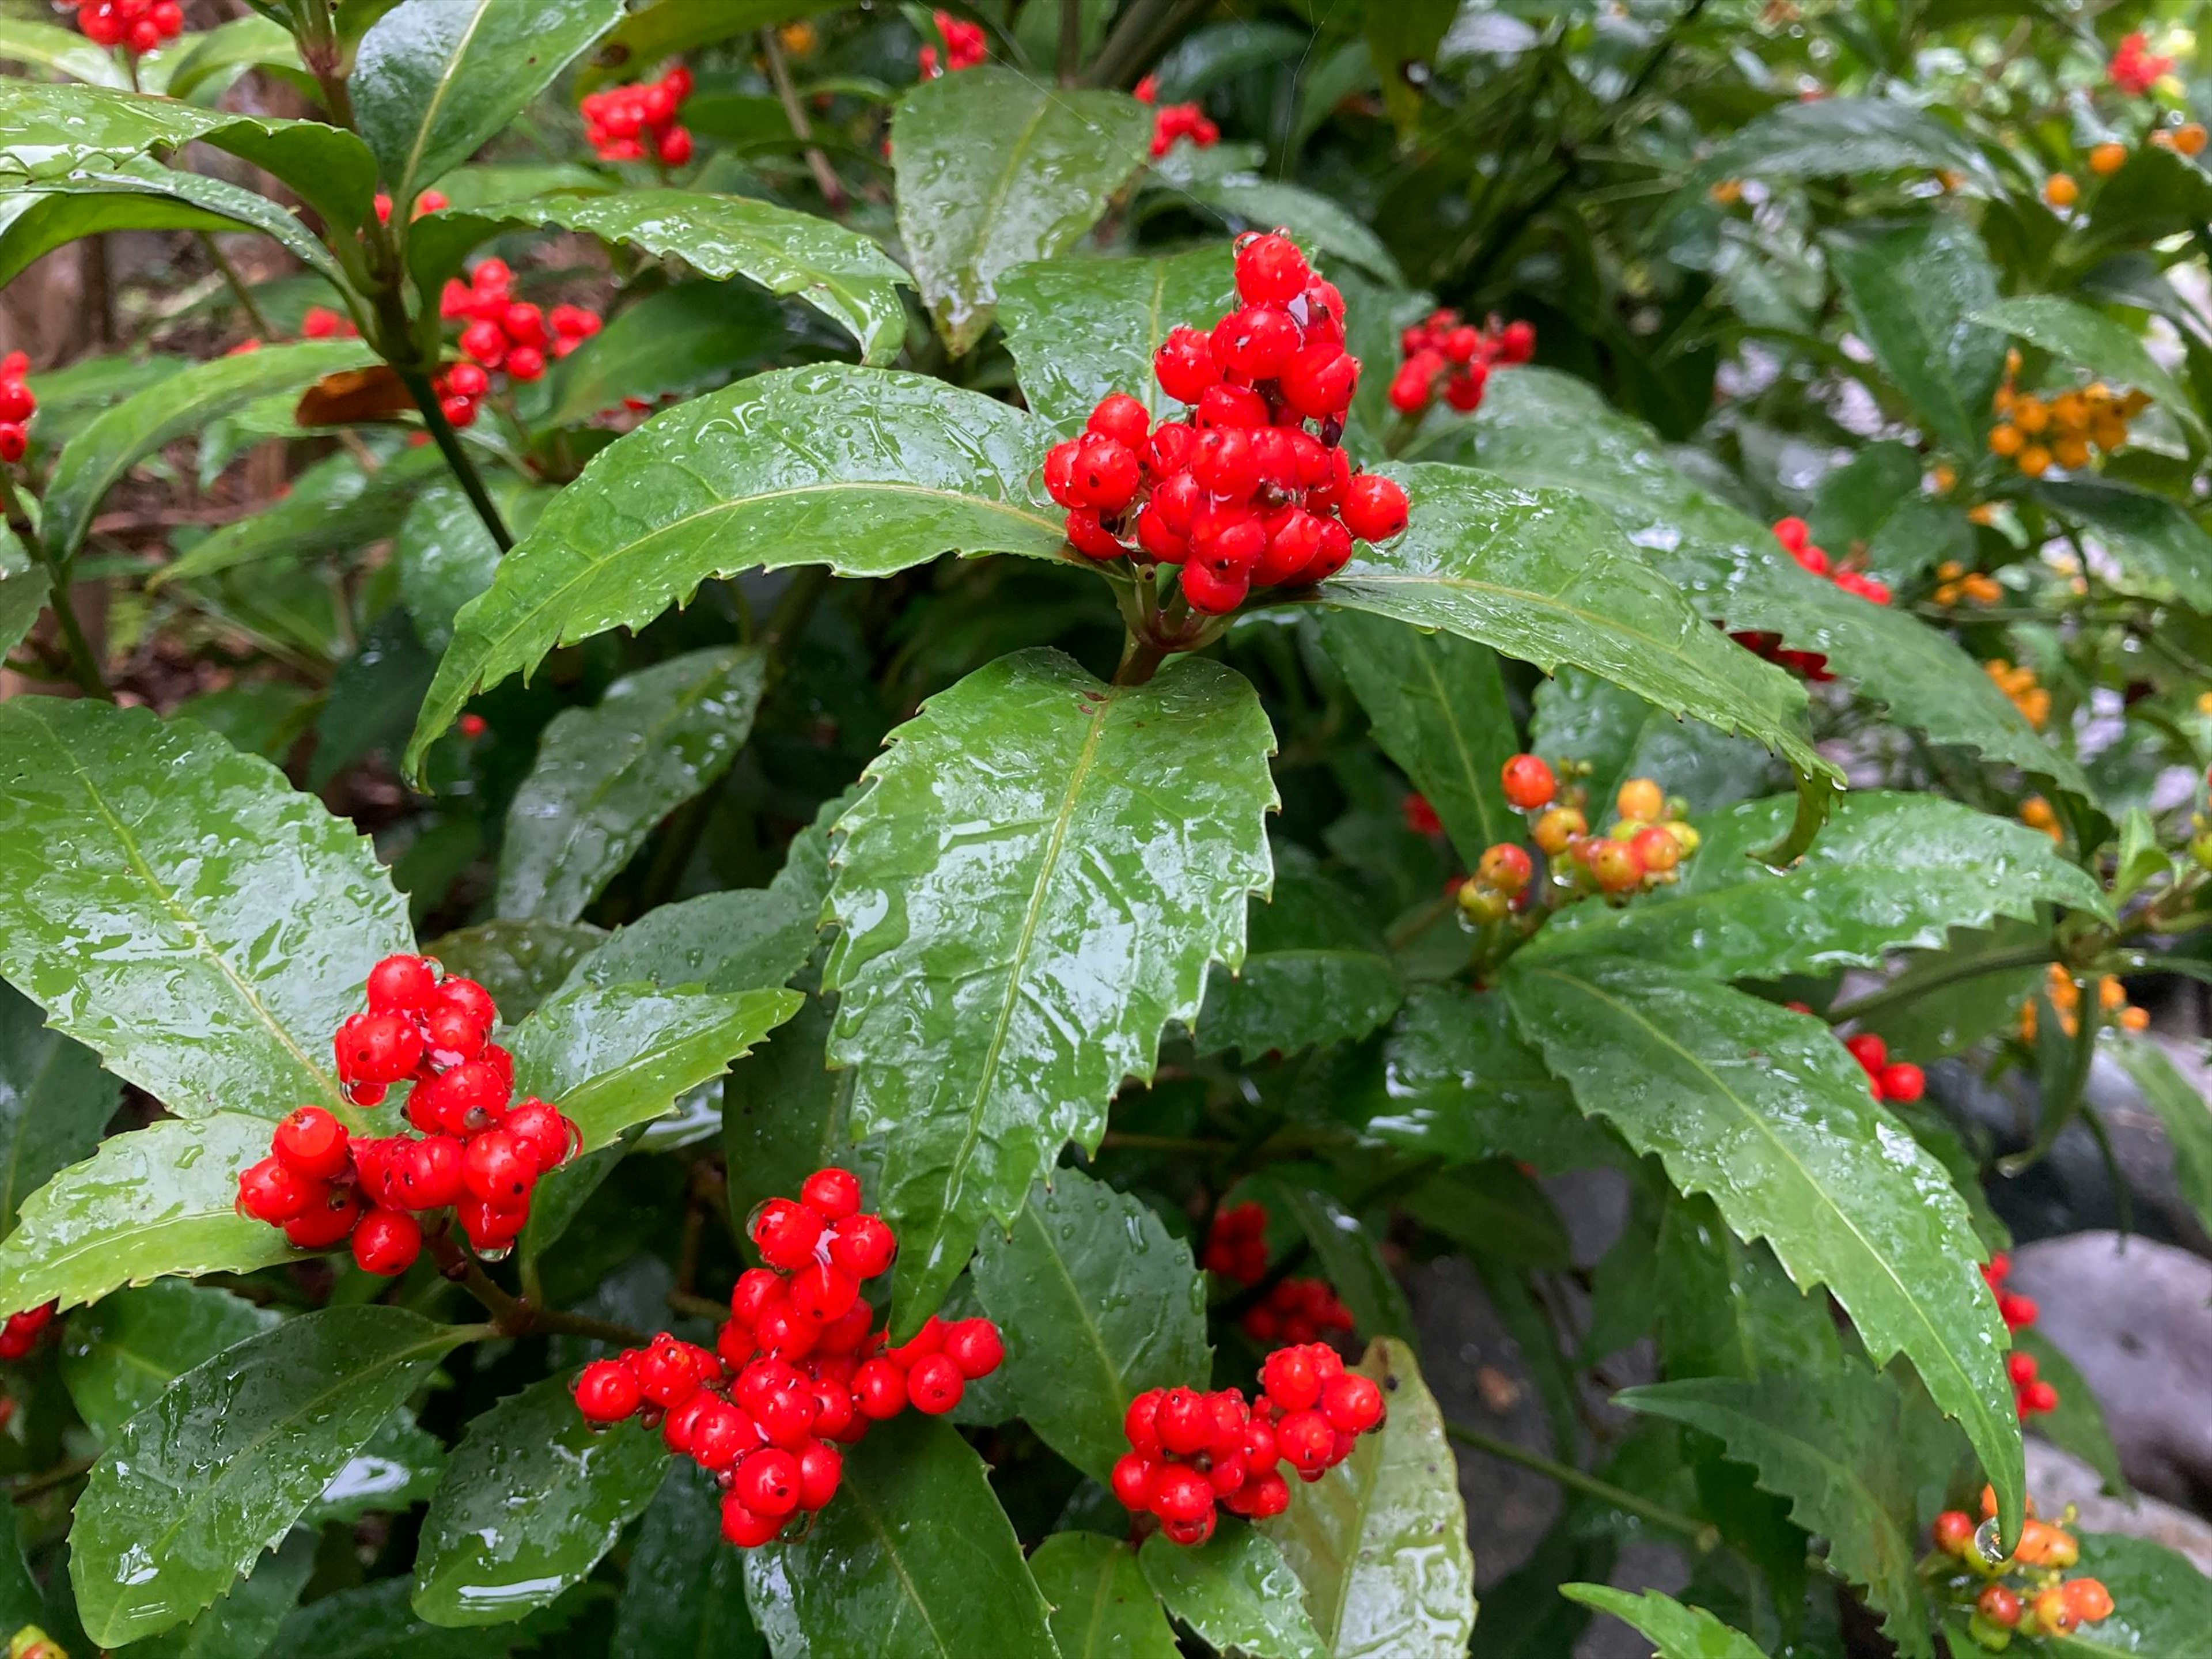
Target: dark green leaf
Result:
[54, 1102]
[913, 1559]
[400, 1466]
[181, 910]
[521, 962]
[434, 80]
[65, 51]
[1233, 181]
[447, 556]
[1401, 39]
[1490, 1208]
[117, 1358]
[24, 588]
[606, 776]
[1680, 1632]
[683, 1593]
[256, 717]
[1765, 1111]
[243, 43]
[1380, 1541]
[142, 196]
[2156, 541]
[995, 169]
[1096, 1303]
[334, 507]
[244, 1621]
[685, 339]
[1580, 717]
[1726, 1308]
[1101, 1607]
[1914, 290]
[1830, 138]
[2181, 1112]
[867, 473]
[2069, 329]
[2162, 1600]
[786, 1114]
[1236, 1591]
[533, 1498]
[749, 939]
[196, 1485]
[374, 695]
[1005, 960]
[667, 28]
[374, 1622]
[2078, 1425]
[1350, 1260]
[1317, 970]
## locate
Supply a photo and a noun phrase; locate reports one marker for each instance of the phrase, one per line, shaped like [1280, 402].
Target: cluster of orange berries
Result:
[2187, 139]
[137, 25]
[2065, 996]
[1173, 121]
[1444, 350]
[2036, 434]
[2019, 682]
[965, 45]
[1301, 1310]
[1644, 847]
[2024, 1594]
[638, 123]
[1955, 583]
[1796, 538]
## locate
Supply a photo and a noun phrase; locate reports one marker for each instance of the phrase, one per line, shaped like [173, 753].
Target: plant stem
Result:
[247, 303]
[513, 1316]
[457, 458]
[697, 1306]
[2027, 956]
[1137, 38]
[1702, 1534]
[826, 176]
[84, 666]
[1071, 40]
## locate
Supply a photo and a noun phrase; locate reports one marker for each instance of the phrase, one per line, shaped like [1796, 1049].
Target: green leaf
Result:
[913, 1559]
[2069, 329]
[2156, 541]
[96, 459]
[1003, 964]
[748, 938]
[1101, 1607]
[533, 1498]
[2181, 1112]
[400, 1466]
[1763, 1110]
[49, 130]
[1231, 179]
[2162, 1601]
[65, 51]
[1831, 137]
[1839, 1445]
[1543, 427]
[1619, 736]
[606, 776]
[435, 81]
[196, 1487]
[1439, 705]
[374, 1621]
[840, 273]
[24, 588]
[141, 196]
[158, 1200]
[682, 340]
[1349, 1260]
[1680, 1632]
[1097, 1303]
[1541, 575]
[334, 507]
[1890, 872]
[1874, 502]
[1236, 1591]
[54, 1102]
[684, 1592]
[447, 556]
[614, 1057]
[1913, 291]
[1459, 1084]
[242, 43]
[179, 909]
[244, 1620]
[372, 697]
[1490, 1208]
[786, 1114]
[1380, 1541]
[1726, 1308]
[521, 962]
[1316, 972]
[995, 169]
[668, 28]
[2078, 1424]
[1403, 40]
[1081, 328]
[117, 1358]
[865, 471]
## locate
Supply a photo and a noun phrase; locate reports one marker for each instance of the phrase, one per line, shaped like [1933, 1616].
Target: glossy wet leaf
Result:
[24, 588]
[63, 51]
[1914, 291]
[1437, 702]
[1033, 888]
[398, 1467]
[94, 460]
[1491, 1209]
[1726, 1308]
[1841, 1446]
[747, 938]
[532, 1500]
[1236, 1590]
[1349, 1259]
[786, 1114]
[867, 473]
[691, 337]
[667, 28]
[377, 687]
[2080, 334]
[253, 42]
[1096, 1303]
[1380, 1541]
[46, 130]
[684, 1592]
[606, 776]
[434, 80]
[243, 1622]
[520, 962]
[913, 1559]
[1081, 328]
[2162, 1601]
[2181, 1112]
[1828, 137]
[54, 1102]
[1890, 872]
[180, 909]
[1540, 575]
[1677, 1632]
[1459, 1084]
[1101, 1607]
[1544, 428]
[995, 169]
[1619, 736]
[1317, 971]
[118, 1357]
[840, 272]
[1766, 1112]
[446, 555]
[2158, 544]
[374, 1621]
[199, 1485]
[1234, 181]
[334, 507]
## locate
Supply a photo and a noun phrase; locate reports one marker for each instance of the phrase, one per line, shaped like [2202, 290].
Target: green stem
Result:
[254, 314]
[826, 176]
[457, 457]
[1070, 41]
[2026, 956]
[1703, 1535]
[84, 666]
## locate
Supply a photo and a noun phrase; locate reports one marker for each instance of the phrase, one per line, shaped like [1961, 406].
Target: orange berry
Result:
[2106, 159]
[2060, 191]
[2189, 139]
[1640, 801]
[1528, 782]
[1557, 828]
[2005, 439]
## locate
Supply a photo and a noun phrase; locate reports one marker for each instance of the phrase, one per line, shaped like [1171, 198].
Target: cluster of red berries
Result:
[1191, 1451]
[430, 201]
[21, 1333]
[1898, 1080]
[1237, 1243]
[505, 332]
[1445, 349]
[479, 1153]
[321, 323]
[2135, 69]
[1296, 1310]
[1796, 538]
[1238, 493]
[137, 25]
[638, 123]
[17, 405]
[965, 45]
[796, 1368]
[2025, 1593]
[1173, 121]
[2031, 1395]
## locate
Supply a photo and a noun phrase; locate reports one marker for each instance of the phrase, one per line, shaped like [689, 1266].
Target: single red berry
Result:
[1901, 1081]
[1185, 1422]
[2021, 1367]
[1999, 1606]
[1954, 1531]
[833, 1409]
[845, 1334]
[768, 1482]
[1463, 391]
[2039, 1397]
[668, 1372]
[1227, 1474]
[550, 1138]
[1270, 270]
[1374, 509]
[484, 342]
[607, 1391]
[16, 403]
[1222, 460]
[1870, 1050]
[720, 1434]
[402, 984]
[863, 1245]
[1167, 452]
[1123, 419]
[783, 1333]
[468, 1098]
[466, 996]
[1140, 1423]
[1264, 1495]
[674, 147]
[1189, 1534]
[757, 1289]
[879, 1390]
[1260, 1451]
[525, 362]
[489, 1226]
[1517, 343]
[744, 1528]
[1291, 1380]
[1179, 1492]
[1255, 343]
[1184, 365]
[974, 1346]
[934, 1384]
[451, 1037]
[1352, 1403]
[1231, 405]
[499, 1168]
[378, 1048]
[1307, 1443]
[831, 1193]
[329, 1217]
[820, 1469]
[1215, 588]
[14, 442]
[311, 1143]
[1156, 535]
[822, 1292]
[1318, 379]
[929, 1339]
[1793, 532]
[271, 1191]
[1292, 545]
[786, 1233]
[430, 1172]
[1133, 1481]
[1528, 782]
[1104, 474]
[386, 1241]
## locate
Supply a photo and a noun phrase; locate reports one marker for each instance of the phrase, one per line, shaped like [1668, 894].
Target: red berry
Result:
[1294, 544]
[1222, 460]
[757, 1289]
[864, 1245]
[1307, 1443]
[1104, 474]
[1184, 365]
[14, 442]
[386, 1241]
[1901, 1081]
[668, 1372]
[934, 1384]
[16, 403]
[1189, 1534]
[2039, 1397]
[1463, 391]
[466, 997]
[1999, 1604]
[720, 1434]
[271, 1192]
[1374, 508]
[822, 1292]
[484, 342]
[551, 1139]
[1254, 344]
[1263, 1495]
[1213, 588]
[674, 147]
[430, 1174]
[768, 1482]
[1123, 418]
[744, 1528]
[1870, 1050]
[833, 1194]
[820, 1469]
[525, 362]
[1179, 1492]
[1231, 405]
[1260, 1451]
[833, 1407]
[499, 1168]
[1517, 344]
[1089, 538]
[1793, 532]
[607, 1391]
[879, 1390]
[1528, 782]
[311, 1143]
[787, 1233]
[468, 1098]
[1185, 1422]
[784, 1334]
[329, 1217]
[1270, 270]
[1352, 1403]
[1133, 1481]
[1291, 1380]
[451, 1038]
[1156, 537]
[1140, 1423]
[378, 1048]
[1954, 1531]
[1319, 380]
[1167, 451]
[974, 1346]
[401, 985]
